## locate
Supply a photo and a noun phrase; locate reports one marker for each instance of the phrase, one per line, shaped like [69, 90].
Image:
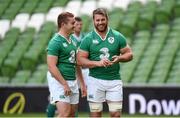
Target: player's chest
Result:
[66, 48]
[109, 44]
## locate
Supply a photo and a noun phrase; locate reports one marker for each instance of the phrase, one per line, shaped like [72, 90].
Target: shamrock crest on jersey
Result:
[111, 40]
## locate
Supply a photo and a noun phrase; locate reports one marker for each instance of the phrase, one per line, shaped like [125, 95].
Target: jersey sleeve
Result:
[85, 44]
[123, 42]
[53, 48]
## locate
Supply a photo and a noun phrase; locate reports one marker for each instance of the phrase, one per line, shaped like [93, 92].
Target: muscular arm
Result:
[125, 55]
[52, 61]
[81, 80]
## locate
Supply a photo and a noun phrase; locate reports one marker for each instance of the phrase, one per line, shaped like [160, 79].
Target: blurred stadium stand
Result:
[152, 28]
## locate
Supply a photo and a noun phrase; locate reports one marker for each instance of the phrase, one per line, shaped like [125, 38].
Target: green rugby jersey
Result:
[98, 49]
[66, 53]
[77, 39]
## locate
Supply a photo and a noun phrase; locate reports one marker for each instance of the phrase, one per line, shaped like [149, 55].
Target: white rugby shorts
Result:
[99, 90]
[57, 91]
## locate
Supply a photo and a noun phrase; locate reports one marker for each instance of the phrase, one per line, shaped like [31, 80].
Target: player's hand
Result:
[105, 62]
[67, 90]
[83, 91]
[115, 59]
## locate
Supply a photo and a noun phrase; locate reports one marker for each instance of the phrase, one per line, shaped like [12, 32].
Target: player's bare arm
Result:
[125, 55]
[52, 61]
[81, 80]
[82, 60]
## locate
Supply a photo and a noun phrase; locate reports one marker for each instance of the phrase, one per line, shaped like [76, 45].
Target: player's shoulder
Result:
[114, 31]
[55, 38]
[117, 33]
[89, 34]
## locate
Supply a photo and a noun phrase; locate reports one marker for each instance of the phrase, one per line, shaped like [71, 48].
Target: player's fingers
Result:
[84, 94]
[102, 63]
[113, 61]
[108, 63]
[67, 92]
[114, 57]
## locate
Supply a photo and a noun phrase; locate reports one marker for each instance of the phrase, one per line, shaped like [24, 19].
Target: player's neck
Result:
[64, 34]
[102, 34]
[77, 34]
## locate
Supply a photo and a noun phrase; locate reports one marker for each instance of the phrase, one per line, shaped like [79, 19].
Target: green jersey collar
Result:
[78, 38]
[69, 42]
[100, 36]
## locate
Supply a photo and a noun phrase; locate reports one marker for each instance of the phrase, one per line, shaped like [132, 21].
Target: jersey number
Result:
[72, 56]
[105, 53]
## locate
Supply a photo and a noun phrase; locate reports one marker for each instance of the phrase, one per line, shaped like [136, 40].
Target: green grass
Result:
[82, 114]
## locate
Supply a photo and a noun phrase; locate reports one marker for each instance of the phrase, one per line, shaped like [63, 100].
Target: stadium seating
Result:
[73, 7]
[174, 74]
[152, 29]
[20, 78]
[39, 76]
[13, 9]
[52, 14]
[88, 6]
[147, 14]
[20, 21]
[5, 25]
[140, 42]
[177, 9]
[4, 81]
[6, 46]
[116, 16]
[61, 3]
[86, 26]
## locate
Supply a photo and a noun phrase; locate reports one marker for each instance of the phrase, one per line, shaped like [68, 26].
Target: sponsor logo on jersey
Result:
[95, 41]
[62, 96]
[111, 40]
[65, 44]
[74, 43]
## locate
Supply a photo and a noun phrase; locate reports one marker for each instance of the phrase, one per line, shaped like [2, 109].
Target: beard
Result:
[101, 28]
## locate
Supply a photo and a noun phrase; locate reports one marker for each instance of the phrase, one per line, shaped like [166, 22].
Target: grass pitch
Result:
[82, 114]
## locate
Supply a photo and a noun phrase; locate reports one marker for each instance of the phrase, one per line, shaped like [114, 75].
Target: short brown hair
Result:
[78, 19]
[101, 11]
[63, 18]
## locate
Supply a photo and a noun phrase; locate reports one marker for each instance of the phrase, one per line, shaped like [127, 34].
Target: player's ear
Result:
[62, 24]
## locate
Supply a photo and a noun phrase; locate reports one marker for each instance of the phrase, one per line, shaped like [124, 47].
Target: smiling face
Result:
[66, 22]
[100, 22]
